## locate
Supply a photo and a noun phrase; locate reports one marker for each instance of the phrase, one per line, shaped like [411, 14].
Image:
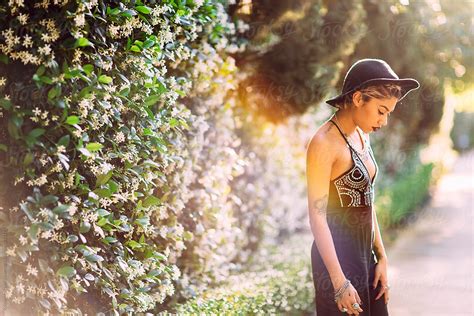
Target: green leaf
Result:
[113, 11]
[37, 132]
[113, 186]
[40, 71]
[85, 227]
[173, 122]
[53, 92]
[105, 79]
[109, 240]
[6, 104]
[4, 58]
[46, 79]
[144, 221]
[73, 119]
[103, 178]
[88, 68]
[124, 92]
[148, 43]
[103, 193]
[152, 99]
[102, 221]
[148, 132]
[128, 13]
[94, 258]
[94, 147]
[33, 231]
[61, 209]
[66, 271]
[135, 48]
[64, 141]
[28, 159]
[81, 42]
[151, 200]
[143, 9]
[48, 199]
[72, 238]
[133, 244]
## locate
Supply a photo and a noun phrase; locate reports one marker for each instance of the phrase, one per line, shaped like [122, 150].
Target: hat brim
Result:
[407, 85]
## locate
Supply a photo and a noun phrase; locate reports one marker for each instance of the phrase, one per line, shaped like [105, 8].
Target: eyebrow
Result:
[386, 108]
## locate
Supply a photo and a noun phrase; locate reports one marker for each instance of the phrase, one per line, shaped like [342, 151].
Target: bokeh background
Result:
[153, 152]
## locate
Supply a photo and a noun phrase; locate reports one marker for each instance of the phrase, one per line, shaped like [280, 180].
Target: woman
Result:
[347, 255]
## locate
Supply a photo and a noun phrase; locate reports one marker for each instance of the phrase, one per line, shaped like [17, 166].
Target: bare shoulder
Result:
[324, 142]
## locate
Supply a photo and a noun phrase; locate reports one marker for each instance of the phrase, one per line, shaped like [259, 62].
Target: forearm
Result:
[378, 243]
[325, 244]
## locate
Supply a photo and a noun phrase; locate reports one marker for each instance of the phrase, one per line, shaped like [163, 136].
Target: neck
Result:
[345, 122]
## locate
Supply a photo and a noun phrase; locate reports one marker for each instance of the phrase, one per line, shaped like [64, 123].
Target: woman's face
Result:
[373, 114]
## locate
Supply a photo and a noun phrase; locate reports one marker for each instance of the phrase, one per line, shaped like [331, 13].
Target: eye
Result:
[380, 113]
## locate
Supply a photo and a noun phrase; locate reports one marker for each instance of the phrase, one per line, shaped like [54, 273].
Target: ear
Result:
[357, 98]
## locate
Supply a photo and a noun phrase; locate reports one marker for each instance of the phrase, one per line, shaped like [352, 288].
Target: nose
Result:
[384, 121]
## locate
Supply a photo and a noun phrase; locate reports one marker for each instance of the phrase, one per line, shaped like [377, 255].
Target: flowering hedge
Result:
[134, 173]
[89, 103]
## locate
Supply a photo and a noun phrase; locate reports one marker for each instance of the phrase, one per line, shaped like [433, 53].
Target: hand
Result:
[349, 297]
[381, 275]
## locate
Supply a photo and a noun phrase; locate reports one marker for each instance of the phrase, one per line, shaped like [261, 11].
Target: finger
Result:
[376, 280]
[386, 297]
[358, 298]
[356, 311]
[350, 309]
[339, 305]
[380, 293]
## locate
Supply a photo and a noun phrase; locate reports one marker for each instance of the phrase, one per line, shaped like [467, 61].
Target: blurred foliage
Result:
[401, 195]
[279, 282]
[295, 52]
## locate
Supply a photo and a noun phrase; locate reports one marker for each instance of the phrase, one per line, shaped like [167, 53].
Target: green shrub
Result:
[279, 282]
[91, 119]
[403, 194]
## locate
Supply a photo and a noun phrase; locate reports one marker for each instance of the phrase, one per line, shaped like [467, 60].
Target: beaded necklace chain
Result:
[364, 154]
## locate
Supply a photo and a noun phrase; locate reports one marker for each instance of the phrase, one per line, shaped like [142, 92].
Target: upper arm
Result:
[319, 160]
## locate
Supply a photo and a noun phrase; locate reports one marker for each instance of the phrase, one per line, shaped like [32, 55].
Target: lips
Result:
[375, 128]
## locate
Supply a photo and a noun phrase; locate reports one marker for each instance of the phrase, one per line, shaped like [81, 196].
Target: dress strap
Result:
[341, 133]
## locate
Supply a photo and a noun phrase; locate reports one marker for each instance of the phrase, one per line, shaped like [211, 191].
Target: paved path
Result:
[431, 262]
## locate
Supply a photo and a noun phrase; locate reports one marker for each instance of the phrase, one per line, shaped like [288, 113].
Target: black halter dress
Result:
[349, 217]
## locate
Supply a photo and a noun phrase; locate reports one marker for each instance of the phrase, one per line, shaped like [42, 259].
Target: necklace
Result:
[364, 154]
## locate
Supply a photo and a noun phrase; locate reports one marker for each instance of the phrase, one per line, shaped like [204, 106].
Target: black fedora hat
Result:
[372, 71]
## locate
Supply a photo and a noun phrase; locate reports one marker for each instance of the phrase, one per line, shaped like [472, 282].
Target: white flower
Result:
[11, 251]
[80, 20]
[119, 137]
[23, 18]
[45, 50]
[31, 270]
[61, 149]
[180, 245]
[42, 180]
[23, 240]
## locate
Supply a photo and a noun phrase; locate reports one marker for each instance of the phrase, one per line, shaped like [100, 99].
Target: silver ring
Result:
[344, 310]
[387, 287]
[355, 305]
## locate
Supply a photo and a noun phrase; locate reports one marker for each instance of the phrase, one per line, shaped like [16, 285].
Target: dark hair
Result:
[380, 91]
